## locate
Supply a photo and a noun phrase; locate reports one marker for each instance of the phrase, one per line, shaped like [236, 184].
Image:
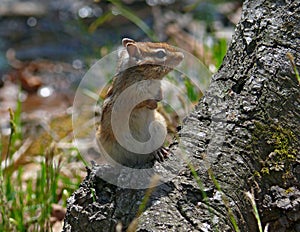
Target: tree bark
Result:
[243, 136]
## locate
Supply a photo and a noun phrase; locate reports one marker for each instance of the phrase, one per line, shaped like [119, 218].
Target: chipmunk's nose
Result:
[177, 58]
[180, 56]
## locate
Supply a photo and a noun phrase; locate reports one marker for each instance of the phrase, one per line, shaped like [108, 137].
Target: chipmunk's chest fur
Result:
[140, 122]
[141, 119]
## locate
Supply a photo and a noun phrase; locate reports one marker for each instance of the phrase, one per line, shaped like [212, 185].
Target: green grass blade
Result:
[133, 18]
[250, 196]
[101, 20]
[225, 201]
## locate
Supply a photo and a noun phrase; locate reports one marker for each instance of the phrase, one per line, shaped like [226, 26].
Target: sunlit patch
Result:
[157, 2]
[115, 11]
[23, 96]
[45, 91]
[77, 64]
[85, 12]
[32, 21]
[6, 131]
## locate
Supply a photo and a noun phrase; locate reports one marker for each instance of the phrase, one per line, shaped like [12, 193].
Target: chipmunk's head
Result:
[159, 57]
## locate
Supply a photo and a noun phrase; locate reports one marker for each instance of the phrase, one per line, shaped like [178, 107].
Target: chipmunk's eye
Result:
[160, 54]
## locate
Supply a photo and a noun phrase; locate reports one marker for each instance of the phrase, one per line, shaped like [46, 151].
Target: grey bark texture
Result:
[244, 135]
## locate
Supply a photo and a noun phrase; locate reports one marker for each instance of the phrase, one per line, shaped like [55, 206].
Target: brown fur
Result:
[138, 62]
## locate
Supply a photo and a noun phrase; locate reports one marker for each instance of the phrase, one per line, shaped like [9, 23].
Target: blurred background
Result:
[45, 49]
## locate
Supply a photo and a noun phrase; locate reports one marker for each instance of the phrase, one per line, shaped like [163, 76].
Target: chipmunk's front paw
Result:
[161, 154]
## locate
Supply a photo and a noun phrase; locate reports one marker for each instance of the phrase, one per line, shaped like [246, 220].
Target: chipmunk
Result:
[141, 67]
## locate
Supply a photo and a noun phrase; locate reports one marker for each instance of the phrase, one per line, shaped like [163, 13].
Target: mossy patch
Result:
[276, 145]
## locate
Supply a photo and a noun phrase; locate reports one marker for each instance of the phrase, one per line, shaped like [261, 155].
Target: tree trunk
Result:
[243, 136]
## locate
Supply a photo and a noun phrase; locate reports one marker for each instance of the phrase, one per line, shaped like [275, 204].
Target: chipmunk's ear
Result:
[126, 41]
[131, 48]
